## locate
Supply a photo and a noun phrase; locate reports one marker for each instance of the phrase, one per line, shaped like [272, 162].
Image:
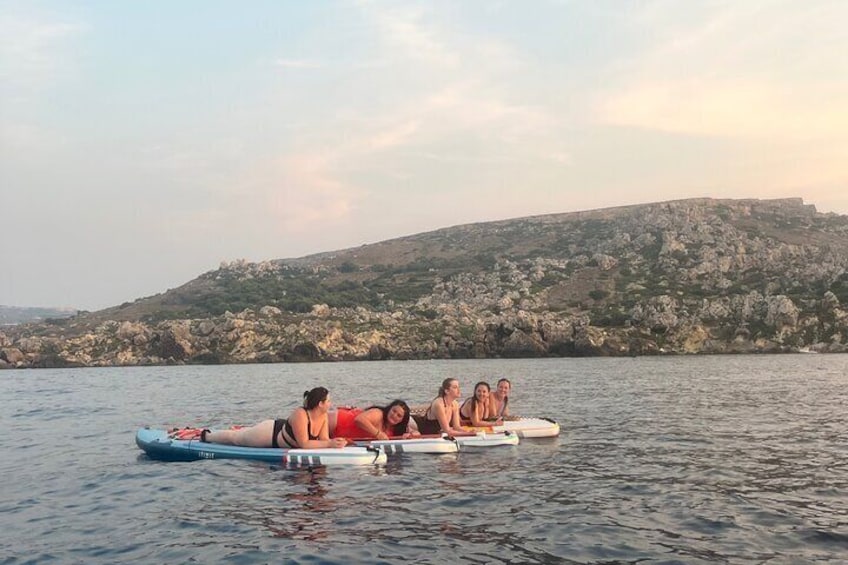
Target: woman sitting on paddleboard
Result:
[499, 399]
[379, 422]
[443, 413]
[477, 410]
[306, 428]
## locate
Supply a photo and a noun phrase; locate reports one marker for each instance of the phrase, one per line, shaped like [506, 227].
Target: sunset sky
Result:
[142, 143]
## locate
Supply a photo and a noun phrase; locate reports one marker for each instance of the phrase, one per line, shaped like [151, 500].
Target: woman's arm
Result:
[412, 428]
[371, 422]
[444, 419]
[478, 417]
[300, 423]
[456, 425]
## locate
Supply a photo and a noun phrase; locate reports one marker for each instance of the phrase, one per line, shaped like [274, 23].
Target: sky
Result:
[143, 143]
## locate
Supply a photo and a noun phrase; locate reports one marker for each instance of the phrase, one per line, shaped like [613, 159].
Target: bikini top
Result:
[462, 407]
[290, 431]
[503, 407]
[468, 400]
[427, 415]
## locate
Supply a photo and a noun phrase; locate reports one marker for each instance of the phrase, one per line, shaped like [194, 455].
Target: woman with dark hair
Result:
[499, 399]
[305, 428]
[477, 410]
[443, 413]
[380, 422]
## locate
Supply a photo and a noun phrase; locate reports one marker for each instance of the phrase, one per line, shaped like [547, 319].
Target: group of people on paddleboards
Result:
[314, 425]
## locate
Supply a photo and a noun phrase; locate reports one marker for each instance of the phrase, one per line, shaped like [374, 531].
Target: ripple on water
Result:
[685, 460]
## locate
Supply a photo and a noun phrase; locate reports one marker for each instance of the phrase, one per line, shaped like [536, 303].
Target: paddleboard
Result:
[487, 439]
[424, 444]
[523, 427]
[166, 446]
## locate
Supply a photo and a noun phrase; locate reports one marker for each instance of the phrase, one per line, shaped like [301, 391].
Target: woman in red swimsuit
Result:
[380, 422]
[305, 428]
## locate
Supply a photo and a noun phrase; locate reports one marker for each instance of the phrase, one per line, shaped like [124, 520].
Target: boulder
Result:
[12, 355]
[304, 352]
[174, 343]
[205, 328]
[522, 344]
[270, 311]
[30, 345]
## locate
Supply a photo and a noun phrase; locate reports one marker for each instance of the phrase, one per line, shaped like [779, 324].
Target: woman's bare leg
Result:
[254, 436]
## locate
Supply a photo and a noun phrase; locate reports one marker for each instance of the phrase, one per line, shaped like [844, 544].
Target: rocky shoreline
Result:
[354, 334]
[696, 276]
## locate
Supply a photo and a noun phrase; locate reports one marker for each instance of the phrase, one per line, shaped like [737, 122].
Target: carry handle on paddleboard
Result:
[377, 452]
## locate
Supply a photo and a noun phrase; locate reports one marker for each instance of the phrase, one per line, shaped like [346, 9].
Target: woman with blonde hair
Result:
[442, 416]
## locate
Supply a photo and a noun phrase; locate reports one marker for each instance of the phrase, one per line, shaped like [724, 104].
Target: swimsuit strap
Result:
[309, 426]
[428, 413]
[467, 400]
[503, 407]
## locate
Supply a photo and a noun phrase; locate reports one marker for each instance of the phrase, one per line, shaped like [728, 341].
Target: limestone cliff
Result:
[689, 276]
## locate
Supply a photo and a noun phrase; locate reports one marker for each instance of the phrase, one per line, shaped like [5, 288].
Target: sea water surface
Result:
[722, 459]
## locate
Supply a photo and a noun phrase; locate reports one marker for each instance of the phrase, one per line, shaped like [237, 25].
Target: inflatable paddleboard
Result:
[427, 444]
[523, 427]
[487, 439]
[166, 446]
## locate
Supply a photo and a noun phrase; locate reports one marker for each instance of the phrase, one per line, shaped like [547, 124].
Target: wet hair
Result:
[401, 427]
[505, 381]
[312, 398]
[445, 386]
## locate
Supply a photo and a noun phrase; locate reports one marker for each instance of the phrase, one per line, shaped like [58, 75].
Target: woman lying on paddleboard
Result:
[443, 413]
[380, 422]
[477, 411]
[305, 428]
[499, 399]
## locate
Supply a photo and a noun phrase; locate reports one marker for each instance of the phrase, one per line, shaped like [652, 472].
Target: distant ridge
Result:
[699, 275]
[10, 315]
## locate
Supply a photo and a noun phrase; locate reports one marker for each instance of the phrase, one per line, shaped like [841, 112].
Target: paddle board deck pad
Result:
[487, 439]
[177, 445]
[523, 427]
[441, 444]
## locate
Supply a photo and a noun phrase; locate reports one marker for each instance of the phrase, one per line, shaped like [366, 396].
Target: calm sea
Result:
[727, 459]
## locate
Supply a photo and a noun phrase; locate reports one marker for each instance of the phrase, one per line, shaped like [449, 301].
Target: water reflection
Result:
[302, 507]
[687, 460]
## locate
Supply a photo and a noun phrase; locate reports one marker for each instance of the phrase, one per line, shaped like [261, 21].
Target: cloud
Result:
[742, 108]
[34, 49]
[757, 70]
[296, 64]
[441, 96]
[296, 194]
[410, 36]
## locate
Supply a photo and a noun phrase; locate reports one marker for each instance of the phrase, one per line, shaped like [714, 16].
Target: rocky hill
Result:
[688, 276]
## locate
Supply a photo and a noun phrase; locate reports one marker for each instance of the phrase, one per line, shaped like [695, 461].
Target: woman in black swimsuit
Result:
[477, 411]
[305, 428]
[443, 412]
